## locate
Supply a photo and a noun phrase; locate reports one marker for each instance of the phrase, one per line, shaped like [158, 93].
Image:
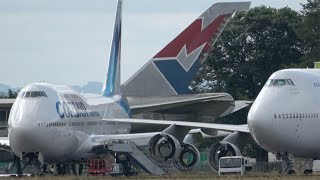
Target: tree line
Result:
[10, 95]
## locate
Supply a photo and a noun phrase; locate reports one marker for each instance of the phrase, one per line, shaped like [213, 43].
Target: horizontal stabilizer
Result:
[208, 104]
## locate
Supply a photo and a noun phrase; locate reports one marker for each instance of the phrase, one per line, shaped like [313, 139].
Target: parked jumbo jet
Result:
[285, 117]
[54, 123]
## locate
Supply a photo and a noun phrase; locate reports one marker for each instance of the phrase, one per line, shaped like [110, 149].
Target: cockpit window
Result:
[279, 82]
[32, 94]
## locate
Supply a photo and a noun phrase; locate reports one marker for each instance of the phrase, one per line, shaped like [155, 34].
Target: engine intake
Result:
[164, 148]
[219, 150]
[188, 159]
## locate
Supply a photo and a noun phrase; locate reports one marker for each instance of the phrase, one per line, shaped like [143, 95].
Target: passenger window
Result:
[275, 116]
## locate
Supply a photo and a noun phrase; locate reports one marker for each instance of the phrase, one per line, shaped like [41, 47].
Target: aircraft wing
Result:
[5, 144]
[193, 125]
[140, 139]
[209, 104]
[4, 141]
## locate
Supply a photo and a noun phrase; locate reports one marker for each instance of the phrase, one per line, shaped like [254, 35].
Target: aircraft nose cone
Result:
[260, 125]
[20, 138]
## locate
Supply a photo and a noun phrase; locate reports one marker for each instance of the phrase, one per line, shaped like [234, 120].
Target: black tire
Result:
[307, 171]
[291, 172]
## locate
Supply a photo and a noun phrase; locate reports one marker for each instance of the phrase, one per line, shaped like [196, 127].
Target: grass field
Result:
[190, 176]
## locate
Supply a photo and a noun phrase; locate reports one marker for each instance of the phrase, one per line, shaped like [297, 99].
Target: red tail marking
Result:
[192, 37]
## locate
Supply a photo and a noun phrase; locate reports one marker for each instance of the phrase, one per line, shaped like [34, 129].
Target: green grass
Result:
[188, 176]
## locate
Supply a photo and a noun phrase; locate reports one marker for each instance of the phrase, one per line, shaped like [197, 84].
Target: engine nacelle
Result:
[188, 159]
[219, 150]
[164, 148]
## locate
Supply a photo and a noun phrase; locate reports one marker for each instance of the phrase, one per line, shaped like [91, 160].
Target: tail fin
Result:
[171, 71]
[112, 83]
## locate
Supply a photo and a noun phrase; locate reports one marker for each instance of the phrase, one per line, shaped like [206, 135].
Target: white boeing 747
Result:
[54, 124]
[285, 117]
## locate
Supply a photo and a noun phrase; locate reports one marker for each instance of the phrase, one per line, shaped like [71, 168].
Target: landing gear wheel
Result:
[291, 172]
[307, 171]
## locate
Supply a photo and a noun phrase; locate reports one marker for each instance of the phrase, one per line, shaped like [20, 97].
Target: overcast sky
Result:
[68, 42]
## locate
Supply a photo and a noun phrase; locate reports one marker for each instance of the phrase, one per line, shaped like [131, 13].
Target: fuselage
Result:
[60, 122]
[285, 117]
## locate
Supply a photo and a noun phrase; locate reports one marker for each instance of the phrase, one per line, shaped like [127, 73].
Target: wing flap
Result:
[140, 139]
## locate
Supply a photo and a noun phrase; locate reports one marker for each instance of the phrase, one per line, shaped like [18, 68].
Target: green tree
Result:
[12, 94]
[253, 46]
[309, 32]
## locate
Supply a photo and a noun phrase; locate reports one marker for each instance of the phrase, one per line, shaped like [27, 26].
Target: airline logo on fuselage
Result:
[70, 109]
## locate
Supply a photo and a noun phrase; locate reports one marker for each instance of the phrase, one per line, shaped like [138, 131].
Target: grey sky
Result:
[68, 42]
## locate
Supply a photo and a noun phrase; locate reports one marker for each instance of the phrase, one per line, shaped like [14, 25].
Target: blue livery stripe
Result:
[114, 66]
[175, 74]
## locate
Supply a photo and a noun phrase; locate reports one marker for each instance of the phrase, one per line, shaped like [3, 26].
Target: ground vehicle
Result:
[316, 167]
[234, 164]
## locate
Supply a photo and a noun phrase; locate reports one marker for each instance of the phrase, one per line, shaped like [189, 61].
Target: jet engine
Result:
[188, 159]
[164, 148]
[219, 150]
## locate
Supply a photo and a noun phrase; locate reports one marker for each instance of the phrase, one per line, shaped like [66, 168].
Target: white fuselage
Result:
[285, 117]
[60, 123]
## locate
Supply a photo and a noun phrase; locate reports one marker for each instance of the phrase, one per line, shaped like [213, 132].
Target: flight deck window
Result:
[32, 94]
[279, 82]
[27, 94]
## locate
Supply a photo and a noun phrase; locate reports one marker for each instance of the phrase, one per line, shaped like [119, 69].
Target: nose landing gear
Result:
[286, 165]
[35, 160]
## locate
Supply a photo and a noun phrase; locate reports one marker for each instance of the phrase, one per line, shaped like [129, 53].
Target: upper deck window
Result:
[32, 94]
[279, 82]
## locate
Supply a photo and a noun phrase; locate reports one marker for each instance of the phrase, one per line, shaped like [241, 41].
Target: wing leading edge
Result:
[193, 125]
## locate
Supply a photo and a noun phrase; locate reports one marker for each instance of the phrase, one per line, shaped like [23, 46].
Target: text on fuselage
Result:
[74, 110]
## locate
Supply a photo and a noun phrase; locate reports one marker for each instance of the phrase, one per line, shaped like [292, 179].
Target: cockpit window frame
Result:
[32, 94]
[279, 82]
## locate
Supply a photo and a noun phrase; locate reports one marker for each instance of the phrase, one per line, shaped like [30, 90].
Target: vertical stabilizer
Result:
[112, 83]
[171, 71]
